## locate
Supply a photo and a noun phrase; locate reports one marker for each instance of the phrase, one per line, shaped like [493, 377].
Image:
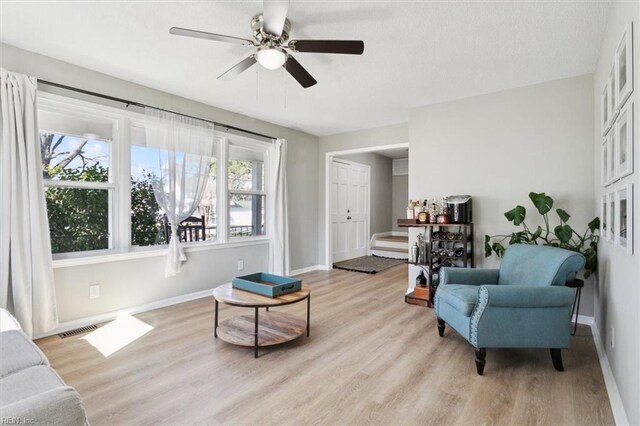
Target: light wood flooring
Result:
[370, 359]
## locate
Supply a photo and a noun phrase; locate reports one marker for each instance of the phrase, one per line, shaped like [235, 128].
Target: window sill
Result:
[105, 256]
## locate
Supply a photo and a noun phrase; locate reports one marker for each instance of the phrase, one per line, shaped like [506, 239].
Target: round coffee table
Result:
[260, 329]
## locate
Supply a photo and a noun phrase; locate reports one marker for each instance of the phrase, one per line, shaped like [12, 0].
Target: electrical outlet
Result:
[240, 265]
[613, 337]
[94, 291]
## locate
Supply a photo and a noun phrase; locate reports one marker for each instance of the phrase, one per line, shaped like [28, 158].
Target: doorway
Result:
[330, 234]
[349, 192]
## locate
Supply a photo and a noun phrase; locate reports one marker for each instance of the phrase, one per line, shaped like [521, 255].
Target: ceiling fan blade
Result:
[298, 72]
[210, 36]
[274, 13]
[238, 68]
[345, 47]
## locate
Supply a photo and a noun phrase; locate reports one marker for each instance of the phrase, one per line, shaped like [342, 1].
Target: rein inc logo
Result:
[17, 421]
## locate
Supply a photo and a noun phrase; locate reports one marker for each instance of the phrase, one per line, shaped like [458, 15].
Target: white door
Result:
[349, 209]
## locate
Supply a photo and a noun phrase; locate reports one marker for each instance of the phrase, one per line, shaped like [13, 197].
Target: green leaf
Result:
[542, 202]
[536, 234]
[518, 238]
[499, 249]
[563, 232]
[594, 224]
[487, 246]
[564, 216]
[516, 215]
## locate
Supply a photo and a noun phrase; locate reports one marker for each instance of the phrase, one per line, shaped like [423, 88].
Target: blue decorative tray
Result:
[266, 284]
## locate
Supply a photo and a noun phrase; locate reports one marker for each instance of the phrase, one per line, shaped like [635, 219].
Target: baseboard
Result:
[305, 270]
[617, 407]
[97, 319]
[583, 319]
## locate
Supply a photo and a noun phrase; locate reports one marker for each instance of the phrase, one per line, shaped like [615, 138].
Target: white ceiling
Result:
[416, 53]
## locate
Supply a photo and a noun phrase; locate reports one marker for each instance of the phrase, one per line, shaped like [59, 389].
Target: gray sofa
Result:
[31, 392]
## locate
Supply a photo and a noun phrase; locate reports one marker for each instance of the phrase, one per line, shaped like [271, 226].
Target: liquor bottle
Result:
[421, 280]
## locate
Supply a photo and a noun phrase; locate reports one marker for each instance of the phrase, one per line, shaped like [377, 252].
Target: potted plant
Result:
[562, 235]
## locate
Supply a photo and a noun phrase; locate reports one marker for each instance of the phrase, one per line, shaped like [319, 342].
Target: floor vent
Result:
[77, 331]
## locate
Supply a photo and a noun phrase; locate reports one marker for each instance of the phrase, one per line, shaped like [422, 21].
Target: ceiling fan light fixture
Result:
[271, 58]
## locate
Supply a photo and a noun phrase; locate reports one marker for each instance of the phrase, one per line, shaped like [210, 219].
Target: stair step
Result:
[394, 238]
[397, 250]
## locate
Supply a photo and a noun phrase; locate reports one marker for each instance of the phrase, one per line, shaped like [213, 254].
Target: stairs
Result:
[395, 246]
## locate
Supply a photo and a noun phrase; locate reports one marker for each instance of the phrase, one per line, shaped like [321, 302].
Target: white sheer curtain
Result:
[186, 148]
[26, 273]
[278, 222]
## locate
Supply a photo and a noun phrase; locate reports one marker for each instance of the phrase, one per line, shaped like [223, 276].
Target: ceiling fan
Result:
[272, 45]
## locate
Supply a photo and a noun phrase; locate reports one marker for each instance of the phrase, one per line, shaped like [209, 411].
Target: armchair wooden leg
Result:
[556, 357]
[441, 327]
[481, 354]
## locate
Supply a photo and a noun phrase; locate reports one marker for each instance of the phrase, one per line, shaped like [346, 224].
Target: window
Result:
[98, 170]
[77, 173]
[149, 224]
[247, 196]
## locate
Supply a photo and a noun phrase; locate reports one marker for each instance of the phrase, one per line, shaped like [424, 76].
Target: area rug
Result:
[368, 264]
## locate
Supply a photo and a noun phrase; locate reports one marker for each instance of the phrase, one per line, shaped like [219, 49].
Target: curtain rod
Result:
[138, 104]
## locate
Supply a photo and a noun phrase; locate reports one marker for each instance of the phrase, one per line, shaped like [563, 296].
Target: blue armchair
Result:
[524, 304]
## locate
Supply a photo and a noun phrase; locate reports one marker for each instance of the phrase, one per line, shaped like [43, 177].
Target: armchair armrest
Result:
[514, 296]
[468, 276]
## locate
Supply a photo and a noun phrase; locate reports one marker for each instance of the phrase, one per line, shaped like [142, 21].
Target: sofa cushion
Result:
[18, 352]
[27, 382]
[460, 296]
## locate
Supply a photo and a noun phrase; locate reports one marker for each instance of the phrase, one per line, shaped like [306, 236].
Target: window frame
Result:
[265, 149]
[119, 185]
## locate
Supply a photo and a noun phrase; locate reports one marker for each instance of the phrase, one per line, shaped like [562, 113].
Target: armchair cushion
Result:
[468, 276]
[460, 296]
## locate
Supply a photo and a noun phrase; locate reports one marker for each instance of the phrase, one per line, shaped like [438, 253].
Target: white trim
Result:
[585, 320]
[306, 270]
[615, 400]
[328, 244]
[115, 256]
[97, 319]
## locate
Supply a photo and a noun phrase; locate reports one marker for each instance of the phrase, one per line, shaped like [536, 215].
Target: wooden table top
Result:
[233, 296]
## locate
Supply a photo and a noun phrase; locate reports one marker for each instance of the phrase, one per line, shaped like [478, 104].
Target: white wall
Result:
[380, 189]
[378, 136]
[399, 200]
[617, 303]
[139, 281]
[501, 146]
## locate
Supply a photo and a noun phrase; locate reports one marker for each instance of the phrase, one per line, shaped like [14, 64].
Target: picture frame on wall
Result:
[608, 159]
[604, 206]
[623, 218]
[623, 139]
[624, 67]
[604, 160]
[606, 107]
[611, 201]
[611, 82]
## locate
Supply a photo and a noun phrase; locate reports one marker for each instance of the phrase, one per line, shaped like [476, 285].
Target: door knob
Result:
[348, 217]
[348, 211]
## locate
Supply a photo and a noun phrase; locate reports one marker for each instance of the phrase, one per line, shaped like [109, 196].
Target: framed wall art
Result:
[611, 201]
[611, 82]
[605, 108]
[623, 139]
[607, 159]
[604, 217]
[623, 218]
[604, 160]
[624, 67]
